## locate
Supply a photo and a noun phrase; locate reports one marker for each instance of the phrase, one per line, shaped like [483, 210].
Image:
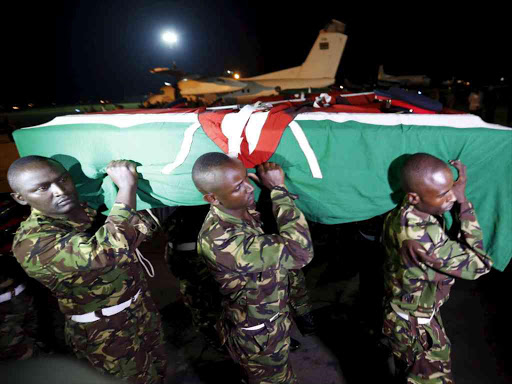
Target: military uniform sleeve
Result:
[248, 252]
[68, 251]
[465, 257]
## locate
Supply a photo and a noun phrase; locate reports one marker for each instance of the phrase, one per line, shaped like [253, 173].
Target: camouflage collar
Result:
[410, 210]
[226, 217]
[39, 216]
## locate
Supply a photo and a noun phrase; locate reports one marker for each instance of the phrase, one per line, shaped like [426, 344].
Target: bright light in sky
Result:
[170, 37]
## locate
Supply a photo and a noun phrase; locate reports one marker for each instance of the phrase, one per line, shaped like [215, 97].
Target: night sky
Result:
[67, 51]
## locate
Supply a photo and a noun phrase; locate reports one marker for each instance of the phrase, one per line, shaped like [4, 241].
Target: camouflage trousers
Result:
[263, 353]
[128, 345]
[18, 328]
[422, 352]
[298, 299]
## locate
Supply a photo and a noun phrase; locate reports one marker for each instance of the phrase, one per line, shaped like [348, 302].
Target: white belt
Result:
[259, 326]
[8, 295]
[109, 311]
[405, 316]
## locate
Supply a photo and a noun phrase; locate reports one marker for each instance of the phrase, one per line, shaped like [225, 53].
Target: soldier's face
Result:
[47, 187]
[435, 194]
[235, 192]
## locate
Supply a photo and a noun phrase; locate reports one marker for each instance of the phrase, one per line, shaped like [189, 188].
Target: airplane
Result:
[318, 71]
[385, 79]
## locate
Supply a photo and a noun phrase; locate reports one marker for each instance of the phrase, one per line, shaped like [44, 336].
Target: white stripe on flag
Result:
[306, 149]
[186, 144]
[440, 120]
[122, 120]
[253, 129]
[233, 125]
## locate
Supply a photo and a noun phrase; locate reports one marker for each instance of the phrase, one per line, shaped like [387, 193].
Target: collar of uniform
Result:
[226, 217]
[39, 217]
[410, 212]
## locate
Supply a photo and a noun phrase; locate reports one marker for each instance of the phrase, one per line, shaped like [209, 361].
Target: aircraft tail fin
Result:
[325, 55]
[323, 59]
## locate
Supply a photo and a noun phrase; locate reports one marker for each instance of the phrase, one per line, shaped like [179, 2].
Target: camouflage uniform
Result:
[90, 267]
[419, 272]
[298, 299]
[18, 321]
[253, 272]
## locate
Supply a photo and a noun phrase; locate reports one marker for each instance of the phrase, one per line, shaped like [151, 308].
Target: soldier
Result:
[422, 262]
[91, 267]
[251, 267]
[198, 288]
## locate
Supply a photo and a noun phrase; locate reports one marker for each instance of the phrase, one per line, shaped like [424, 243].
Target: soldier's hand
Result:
[123, 173]
[459, 187]
[269, 175]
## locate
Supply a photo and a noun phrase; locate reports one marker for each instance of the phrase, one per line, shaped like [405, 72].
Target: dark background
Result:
[69, 51]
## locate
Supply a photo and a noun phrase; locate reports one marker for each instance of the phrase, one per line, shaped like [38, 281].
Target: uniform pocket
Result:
[253, 341]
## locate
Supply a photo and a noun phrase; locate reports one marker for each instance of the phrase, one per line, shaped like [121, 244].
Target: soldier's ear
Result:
[413, 198]
[211, 198]
[18, 198]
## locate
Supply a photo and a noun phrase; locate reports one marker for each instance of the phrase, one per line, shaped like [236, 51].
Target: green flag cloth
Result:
[344, 166]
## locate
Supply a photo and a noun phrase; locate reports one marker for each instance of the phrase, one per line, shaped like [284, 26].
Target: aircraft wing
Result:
[209, 85]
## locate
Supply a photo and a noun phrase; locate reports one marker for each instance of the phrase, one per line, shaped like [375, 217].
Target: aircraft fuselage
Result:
[252, 88]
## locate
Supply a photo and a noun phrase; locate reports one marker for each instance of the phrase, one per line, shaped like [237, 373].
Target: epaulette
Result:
[293, 196]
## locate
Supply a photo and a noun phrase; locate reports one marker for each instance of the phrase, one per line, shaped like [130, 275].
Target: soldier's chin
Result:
[66, 208]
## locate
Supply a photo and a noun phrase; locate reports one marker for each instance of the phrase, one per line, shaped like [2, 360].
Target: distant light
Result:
[170, 37]
[502, 79]
[15, 107]
[341, 86]
[229, 72]
[166, 83]
[185, 79]
[77, 110]
[236, 76]
[419, 92]
[30, 105]
[102, 102]
[468, 83]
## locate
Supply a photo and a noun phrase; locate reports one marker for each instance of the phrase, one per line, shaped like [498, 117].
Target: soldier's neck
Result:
[78, 215]
[242, 214]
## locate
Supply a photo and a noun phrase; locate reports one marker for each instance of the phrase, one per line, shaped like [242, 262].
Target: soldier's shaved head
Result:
[419, 170]
[20, 165]
[207, 169]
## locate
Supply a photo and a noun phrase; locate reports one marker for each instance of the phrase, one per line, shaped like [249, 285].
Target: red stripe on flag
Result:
[277, 120]
[211, 123]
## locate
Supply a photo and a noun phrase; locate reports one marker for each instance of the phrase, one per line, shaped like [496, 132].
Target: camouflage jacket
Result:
[422, 261]
[85, 269]
[252, 267]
